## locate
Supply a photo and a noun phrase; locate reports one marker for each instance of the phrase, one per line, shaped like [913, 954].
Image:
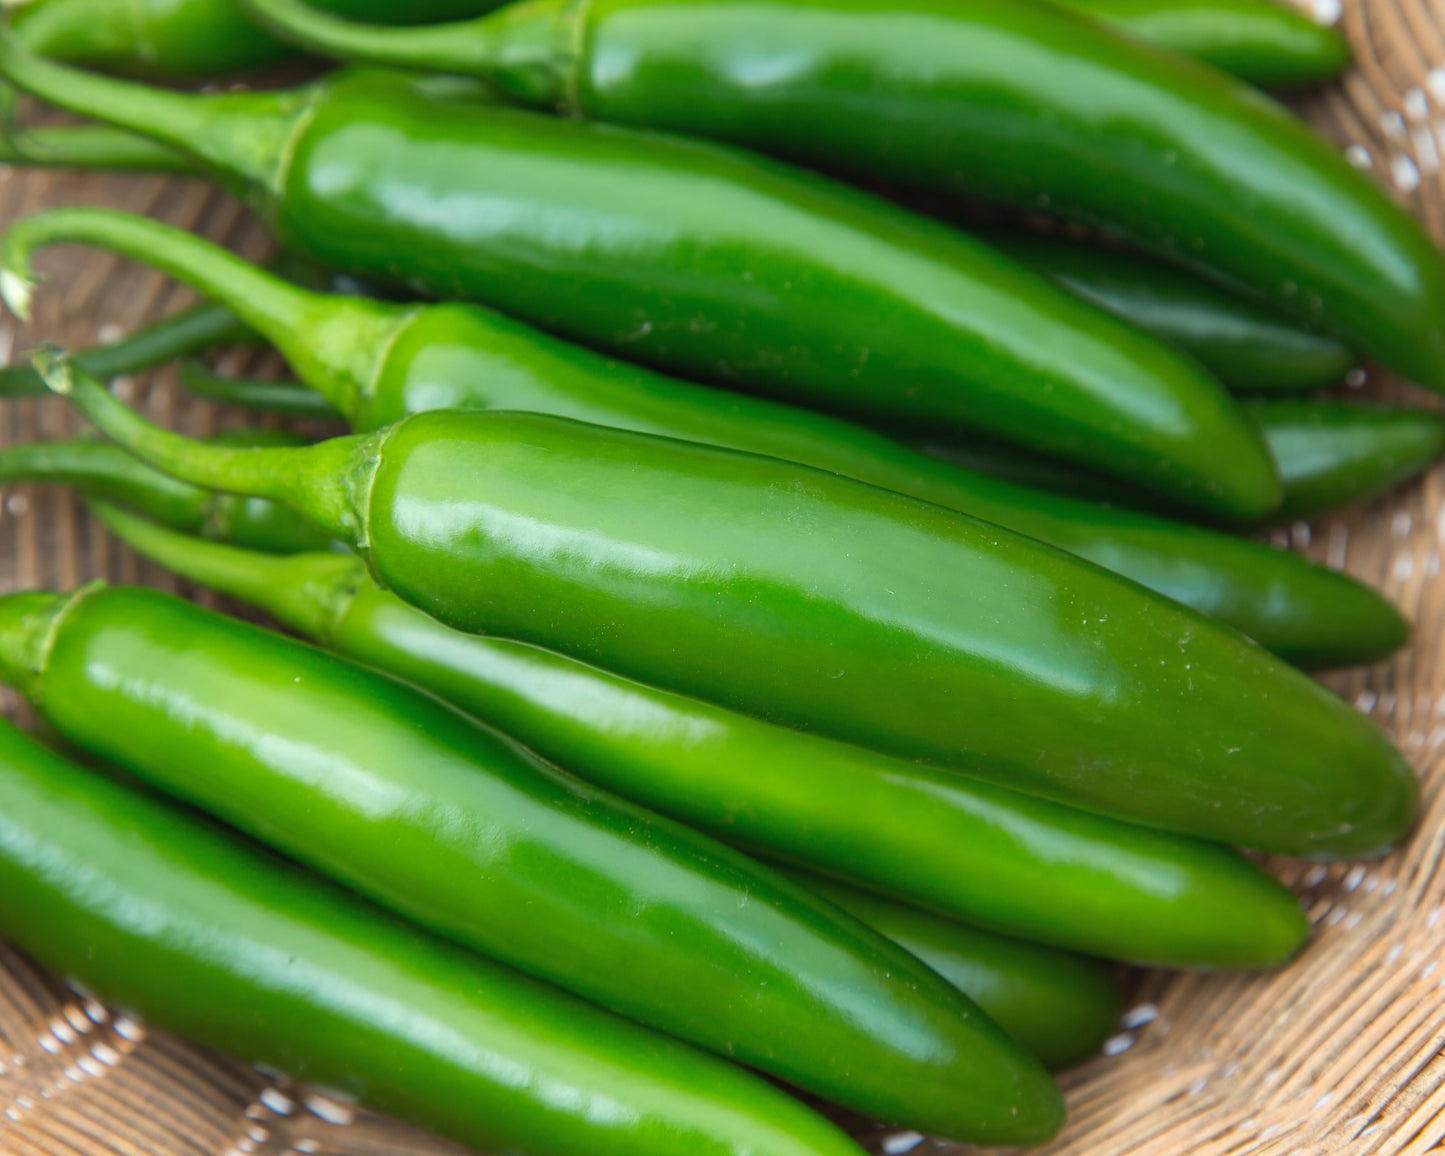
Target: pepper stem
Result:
[326, 483]
[282, 397]
[309, 593]
[529, 50]
[336, 344]
[179, 335]
[244, 137]
[99, 470]
[92, 146]
[28, 621]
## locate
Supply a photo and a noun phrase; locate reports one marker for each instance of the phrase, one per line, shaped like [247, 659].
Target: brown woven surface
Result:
[1340, 1053]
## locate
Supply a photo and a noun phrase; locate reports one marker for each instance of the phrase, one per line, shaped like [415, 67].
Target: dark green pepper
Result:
[1009, 101]
[211, 937]
[1269, 44]
[1247, 347]
[1060, 1007]
[1330, 454]
[101, 470]
[705, 262]
[187, 39]
[377, 362]
[833, 606]
[470, 835]
[966, 850]
[1263, 42]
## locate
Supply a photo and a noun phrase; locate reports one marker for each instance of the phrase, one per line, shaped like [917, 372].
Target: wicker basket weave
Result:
[1344, 1052]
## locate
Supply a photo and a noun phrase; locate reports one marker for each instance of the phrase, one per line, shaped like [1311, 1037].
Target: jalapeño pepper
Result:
[823, 603]
[702, 261]
[376, 362]
[1010, 101]
[211, 937]
[966, 850]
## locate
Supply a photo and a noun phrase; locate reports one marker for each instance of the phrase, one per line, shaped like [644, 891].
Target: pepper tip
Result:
[53, 365]
[16, 290]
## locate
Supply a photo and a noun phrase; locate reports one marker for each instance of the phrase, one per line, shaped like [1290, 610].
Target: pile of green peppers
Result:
[745, 630]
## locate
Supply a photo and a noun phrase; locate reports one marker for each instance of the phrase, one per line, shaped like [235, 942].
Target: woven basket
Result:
[1340, 1053]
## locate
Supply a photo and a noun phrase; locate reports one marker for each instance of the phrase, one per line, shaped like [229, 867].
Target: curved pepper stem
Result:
[327, 483]
[527, 49]
[282, 397]
[92, 146]
[336, 344]
[180, 335]
[28, 621]
[243, 137]
[307, 592]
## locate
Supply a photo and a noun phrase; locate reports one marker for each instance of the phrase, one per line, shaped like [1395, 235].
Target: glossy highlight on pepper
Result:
[204, 935]
[702, 261]
[473, 837]
[376, 362]
[682, 565]
[969, 851]
[1009, 101]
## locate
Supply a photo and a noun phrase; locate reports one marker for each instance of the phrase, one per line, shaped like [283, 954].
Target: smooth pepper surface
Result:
[204, 935]
[471, 836]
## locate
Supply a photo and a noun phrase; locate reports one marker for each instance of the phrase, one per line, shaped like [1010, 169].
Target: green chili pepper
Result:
[377, 362]
[91, 147]
[1004, 100]
[705, 262]
[822, 603]
[1060, 1007]
[107, 471]
[470, 835]
[1339, 454]
[933, 839]
[1265, 43]
[1272, 44]
[1330, 454]
[1247, 347]
[215, 939]
[279, 397]
[187, 39]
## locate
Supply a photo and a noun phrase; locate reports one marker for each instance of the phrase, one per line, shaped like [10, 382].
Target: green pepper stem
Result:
[336, 344]
[308, 592]
[528, 49]
[244, 137]
[282, 397]
[188, 332]
[92, 146]
[326, 483]
[99, 470]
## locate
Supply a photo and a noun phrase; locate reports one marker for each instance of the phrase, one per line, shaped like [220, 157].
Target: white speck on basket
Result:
[1324, 1101]
[1433, 918]
[1388, 700]
[17, 505]
[1326, 12]
[129, 1029]
[1415, 103]
[1388, 889]
[1404, 568]
[110, 333]
[1357, 378]
[1335, 917]
[1392, 124]
[1137, 1017]
[1354, 878]
[1432, 565]
[1118, 1045]
[1315, 875]
[106, 1054]
[258, 1133]
[1366, 701]
[1299, 535]
[1402, 523]
[62, 1030]
[1429, 969]
[1405, 173]
[90, 1067]
[1359, 156]
[1393, 954]
[307, 1146]
[277, 1101]
[1198, 1086]
[332, 1111]
[1427, 152]
[901, 1142]
[1335, 553]
[1352, 922]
